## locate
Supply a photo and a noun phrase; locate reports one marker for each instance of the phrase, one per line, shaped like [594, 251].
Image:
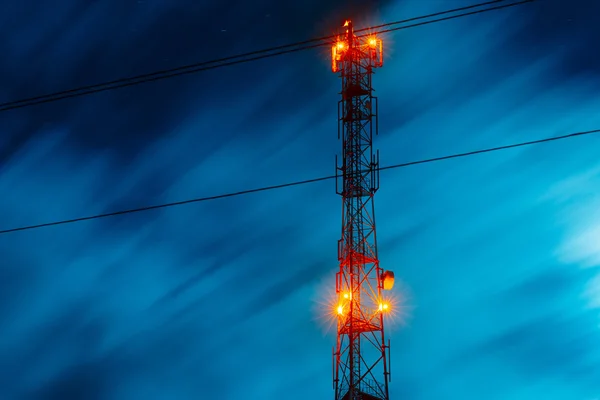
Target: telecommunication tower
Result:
[361, 356]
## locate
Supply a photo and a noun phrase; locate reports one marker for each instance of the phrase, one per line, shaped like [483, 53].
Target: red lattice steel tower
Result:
[361, 357]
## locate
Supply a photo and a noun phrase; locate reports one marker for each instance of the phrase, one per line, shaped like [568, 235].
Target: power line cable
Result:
[244, 58]
[518, 3]
[297, 183]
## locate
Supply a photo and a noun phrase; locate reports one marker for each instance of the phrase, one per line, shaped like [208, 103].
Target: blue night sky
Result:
[498, 254]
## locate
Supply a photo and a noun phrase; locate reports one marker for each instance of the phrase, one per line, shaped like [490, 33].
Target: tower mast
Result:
[361, 356]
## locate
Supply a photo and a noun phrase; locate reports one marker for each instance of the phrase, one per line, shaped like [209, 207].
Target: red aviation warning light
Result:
[376, 46]
[368, 47]
[388, 280]
[337, 51]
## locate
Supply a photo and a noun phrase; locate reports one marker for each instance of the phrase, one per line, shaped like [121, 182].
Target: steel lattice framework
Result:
[361, 357]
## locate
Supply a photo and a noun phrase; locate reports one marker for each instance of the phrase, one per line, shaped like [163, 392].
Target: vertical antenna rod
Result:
[361, 357]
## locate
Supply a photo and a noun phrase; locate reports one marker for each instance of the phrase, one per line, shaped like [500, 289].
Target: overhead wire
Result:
[298, 183]
[518, 3]
[248, 57]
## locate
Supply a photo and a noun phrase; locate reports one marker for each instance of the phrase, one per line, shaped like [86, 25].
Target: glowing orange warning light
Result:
[341, 45]
[388, 280]
[372, 42]
[340, 310]
[346, 23]
[383, 307]
[347, 295]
